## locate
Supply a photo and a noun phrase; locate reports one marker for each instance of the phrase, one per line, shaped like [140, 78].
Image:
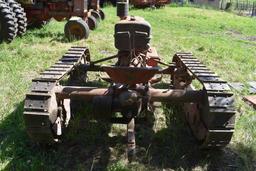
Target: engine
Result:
[133, 33]
[132, 38]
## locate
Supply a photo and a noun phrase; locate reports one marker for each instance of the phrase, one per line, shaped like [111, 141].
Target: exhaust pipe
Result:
[122, 8]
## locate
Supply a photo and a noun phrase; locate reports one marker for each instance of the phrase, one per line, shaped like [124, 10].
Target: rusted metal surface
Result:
[83, 93]
[250, 100]
[130, 75]
[158, 95]
[175, 95]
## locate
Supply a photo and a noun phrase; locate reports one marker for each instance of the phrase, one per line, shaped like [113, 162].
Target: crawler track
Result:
[218, 113]
[40, 103]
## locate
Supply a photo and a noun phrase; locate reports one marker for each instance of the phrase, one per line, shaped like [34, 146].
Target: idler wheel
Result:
[76, 28]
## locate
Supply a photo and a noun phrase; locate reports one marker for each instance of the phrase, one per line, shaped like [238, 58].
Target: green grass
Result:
[223, 41]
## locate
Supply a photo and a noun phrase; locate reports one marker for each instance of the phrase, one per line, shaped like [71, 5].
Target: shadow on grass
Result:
[88, 146]
[175, 147]
[86, 149]
[58, 37]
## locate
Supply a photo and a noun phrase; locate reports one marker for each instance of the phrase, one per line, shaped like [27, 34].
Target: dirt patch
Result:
[239, 35]
[233, 33]
[251, 38]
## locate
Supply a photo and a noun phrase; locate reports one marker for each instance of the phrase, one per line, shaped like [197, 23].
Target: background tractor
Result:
[149, 3]
[82, 16]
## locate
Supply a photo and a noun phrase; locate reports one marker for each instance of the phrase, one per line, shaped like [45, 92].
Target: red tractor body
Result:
[149, 3]
[45, 10]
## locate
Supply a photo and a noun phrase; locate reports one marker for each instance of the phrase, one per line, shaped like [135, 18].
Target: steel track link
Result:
[39, 114]
[219, 115]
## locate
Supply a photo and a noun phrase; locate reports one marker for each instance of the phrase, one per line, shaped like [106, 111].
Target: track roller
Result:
[8, 27]
[76, 28]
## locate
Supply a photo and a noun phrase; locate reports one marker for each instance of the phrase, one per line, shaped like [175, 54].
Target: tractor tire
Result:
[8, 27]
[92, 22]
[76, 28]
[13, 6]
[20, 15]
[102, 14]
[96, 15]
